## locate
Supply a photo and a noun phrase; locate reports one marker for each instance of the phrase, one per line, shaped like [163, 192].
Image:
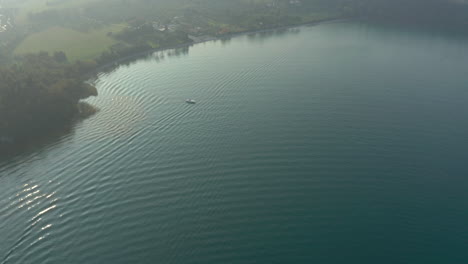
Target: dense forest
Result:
[40, 92]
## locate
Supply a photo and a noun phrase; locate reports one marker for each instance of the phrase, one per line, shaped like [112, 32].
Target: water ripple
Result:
[286, 153]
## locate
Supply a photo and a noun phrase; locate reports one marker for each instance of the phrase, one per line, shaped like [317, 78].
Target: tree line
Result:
[40, 92]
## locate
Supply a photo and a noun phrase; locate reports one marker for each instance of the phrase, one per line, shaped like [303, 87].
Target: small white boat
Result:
[190, 101]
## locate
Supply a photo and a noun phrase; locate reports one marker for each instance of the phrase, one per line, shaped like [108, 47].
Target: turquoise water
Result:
[338, 143]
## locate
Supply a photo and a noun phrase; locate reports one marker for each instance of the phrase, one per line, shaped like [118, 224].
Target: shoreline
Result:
[135, 56]
[91, 76]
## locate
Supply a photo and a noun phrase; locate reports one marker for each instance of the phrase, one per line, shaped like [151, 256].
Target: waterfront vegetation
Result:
[40, 92]
[54, 44]
[72, 37]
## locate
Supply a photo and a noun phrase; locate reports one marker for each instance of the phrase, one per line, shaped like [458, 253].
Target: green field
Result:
[77, 45]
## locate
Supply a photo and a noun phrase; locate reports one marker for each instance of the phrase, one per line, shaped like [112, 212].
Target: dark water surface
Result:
[339, 143]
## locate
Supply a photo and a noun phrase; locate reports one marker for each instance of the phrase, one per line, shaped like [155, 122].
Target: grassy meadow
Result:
[76, 44]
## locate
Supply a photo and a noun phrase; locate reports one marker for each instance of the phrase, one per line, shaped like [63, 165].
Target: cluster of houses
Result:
[176, 24]
[171, 27]
[5, 22]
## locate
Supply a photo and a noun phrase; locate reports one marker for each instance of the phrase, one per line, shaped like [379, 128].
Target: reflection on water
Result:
[156, 56]
[41, 141]
[262, 36]
[37, 144]
[38, 205]
[184, 50]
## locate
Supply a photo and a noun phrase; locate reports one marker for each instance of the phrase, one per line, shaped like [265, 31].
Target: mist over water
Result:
[339, 143]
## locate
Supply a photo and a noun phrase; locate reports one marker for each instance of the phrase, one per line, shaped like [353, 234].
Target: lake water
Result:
[337, 143]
